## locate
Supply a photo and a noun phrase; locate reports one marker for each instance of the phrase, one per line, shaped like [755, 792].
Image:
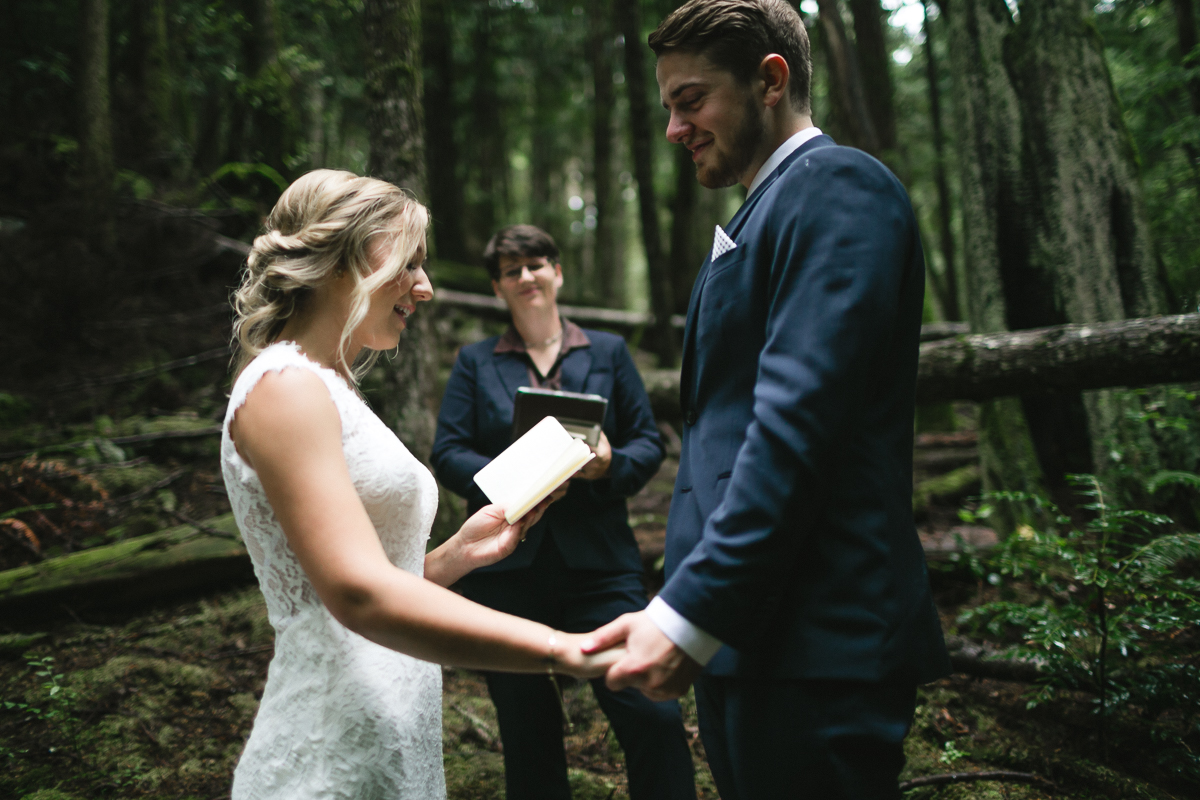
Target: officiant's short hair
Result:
[518, 241]
[736, 35]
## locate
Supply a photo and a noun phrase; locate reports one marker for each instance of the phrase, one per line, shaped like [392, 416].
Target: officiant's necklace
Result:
[546, 342]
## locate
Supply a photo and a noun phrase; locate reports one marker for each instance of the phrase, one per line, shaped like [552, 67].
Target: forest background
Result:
[1051, 149]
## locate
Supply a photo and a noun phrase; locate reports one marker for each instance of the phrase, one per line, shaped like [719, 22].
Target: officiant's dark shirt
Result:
[573, 337]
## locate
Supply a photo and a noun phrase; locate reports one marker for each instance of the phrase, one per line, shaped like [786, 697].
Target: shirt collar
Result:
[573, 337]
[793, 143]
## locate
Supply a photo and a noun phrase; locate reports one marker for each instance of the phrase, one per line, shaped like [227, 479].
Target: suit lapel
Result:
[732, 229]
[512, 371]
[575, 368]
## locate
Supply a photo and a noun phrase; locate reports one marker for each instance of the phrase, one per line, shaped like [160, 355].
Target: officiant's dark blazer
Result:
[791, 534]
[590, 524]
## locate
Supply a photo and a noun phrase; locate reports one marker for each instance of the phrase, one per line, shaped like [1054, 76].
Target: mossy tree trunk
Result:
[1054, 227]
[446, 199]
[849, 120]
[153, 122]
[95, 125]
[488, 134]
[662, 295]
[945, 282]
[273, 124]
[395, 125]
[607, 282]
[875, 68]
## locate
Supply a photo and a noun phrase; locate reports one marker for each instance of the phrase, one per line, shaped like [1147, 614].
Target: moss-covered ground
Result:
[158, 706]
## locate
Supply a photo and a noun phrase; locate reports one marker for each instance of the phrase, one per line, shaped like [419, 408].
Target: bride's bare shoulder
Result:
[285, 405]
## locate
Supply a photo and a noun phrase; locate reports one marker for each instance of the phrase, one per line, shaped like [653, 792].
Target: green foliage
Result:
[13, 410]
[1149, 74]
[1114, 611]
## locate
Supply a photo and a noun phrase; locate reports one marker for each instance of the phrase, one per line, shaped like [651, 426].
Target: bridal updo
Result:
[321, 227]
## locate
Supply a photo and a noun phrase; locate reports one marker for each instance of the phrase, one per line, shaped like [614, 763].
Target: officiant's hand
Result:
[652, 663]
[598, 467]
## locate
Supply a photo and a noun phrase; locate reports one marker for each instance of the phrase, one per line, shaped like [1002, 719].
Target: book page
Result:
[516, 478]
[566, 465]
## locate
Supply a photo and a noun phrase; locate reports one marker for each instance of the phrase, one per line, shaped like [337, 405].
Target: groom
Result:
[795, 577]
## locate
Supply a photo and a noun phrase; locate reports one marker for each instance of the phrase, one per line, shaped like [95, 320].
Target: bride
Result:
[335, 512]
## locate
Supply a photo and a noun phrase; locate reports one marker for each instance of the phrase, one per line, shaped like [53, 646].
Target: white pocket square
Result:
[722, 244]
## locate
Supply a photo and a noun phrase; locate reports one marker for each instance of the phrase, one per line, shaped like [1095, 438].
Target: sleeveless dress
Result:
[340, 717]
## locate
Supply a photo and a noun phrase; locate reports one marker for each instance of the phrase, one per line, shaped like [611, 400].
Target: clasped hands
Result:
[638, 654]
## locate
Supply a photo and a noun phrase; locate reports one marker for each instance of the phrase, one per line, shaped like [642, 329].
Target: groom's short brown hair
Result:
[736, 35]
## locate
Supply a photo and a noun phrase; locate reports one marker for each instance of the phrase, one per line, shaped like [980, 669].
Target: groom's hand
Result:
[652, 662]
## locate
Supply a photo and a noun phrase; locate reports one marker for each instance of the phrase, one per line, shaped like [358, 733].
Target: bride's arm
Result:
[289, 432]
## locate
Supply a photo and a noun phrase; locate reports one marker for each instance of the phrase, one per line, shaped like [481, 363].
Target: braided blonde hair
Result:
[323, 226]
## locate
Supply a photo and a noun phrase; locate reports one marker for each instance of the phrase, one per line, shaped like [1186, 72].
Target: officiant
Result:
[578, 568]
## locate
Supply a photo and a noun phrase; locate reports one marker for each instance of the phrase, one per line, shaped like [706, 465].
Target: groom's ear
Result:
[496, 290]
[775, 74]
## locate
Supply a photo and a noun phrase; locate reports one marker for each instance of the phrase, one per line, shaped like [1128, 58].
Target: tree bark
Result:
[949, 277]
[394, 119]
[850, 120]
[1036, 363]
[1055, 231]
[487, 125]
[393, 92]
[95, 130]
[1066, 359]
[662, 296]
[446, 199]
[609, 281]
[1185, 21]
[875, 68]
[153, 79]
[273, 124]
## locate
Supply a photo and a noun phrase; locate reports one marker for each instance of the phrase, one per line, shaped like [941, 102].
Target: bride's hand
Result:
[570, 658]
[487, 537]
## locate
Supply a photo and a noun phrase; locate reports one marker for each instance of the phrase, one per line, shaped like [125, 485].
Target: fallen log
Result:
[130, 574]
[1065, 358]
[1003, 776]
[986, 661]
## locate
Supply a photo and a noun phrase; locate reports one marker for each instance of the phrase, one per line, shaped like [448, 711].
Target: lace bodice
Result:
[340, 717]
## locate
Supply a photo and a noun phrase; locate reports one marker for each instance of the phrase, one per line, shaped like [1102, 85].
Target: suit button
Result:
[691, 417]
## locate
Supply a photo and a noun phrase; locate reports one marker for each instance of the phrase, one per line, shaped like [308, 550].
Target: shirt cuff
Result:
[698, 644]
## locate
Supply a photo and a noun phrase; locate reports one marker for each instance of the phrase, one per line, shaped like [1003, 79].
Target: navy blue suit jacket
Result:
[590, 524]
[791, 536]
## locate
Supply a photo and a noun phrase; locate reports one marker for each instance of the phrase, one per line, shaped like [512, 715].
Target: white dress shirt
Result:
[697, 643]
[783, 151]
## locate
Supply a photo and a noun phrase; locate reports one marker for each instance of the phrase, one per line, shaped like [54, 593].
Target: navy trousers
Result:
[804, 739]
[657, 756]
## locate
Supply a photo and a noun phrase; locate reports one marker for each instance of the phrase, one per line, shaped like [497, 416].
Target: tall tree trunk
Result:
[394, 120]
[949, 277]
[446, 197]
[153, 79]
[487, 127]
[1055, 230]
[273, 126]
[875, 64]
[1185, 21]
[850, 121]
[95, 129]
[609, 280]
[685, 261]
[662, 296]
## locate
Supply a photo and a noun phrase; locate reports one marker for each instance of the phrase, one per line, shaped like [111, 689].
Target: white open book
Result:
[532, 467]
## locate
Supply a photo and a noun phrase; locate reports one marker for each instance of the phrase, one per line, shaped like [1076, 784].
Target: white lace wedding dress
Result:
[341, 717]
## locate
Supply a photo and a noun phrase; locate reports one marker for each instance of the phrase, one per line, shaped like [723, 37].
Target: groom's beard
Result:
[729, 165]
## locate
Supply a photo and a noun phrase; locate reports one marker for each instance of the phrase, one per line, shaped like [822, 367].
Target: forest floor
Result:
[158, 703]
